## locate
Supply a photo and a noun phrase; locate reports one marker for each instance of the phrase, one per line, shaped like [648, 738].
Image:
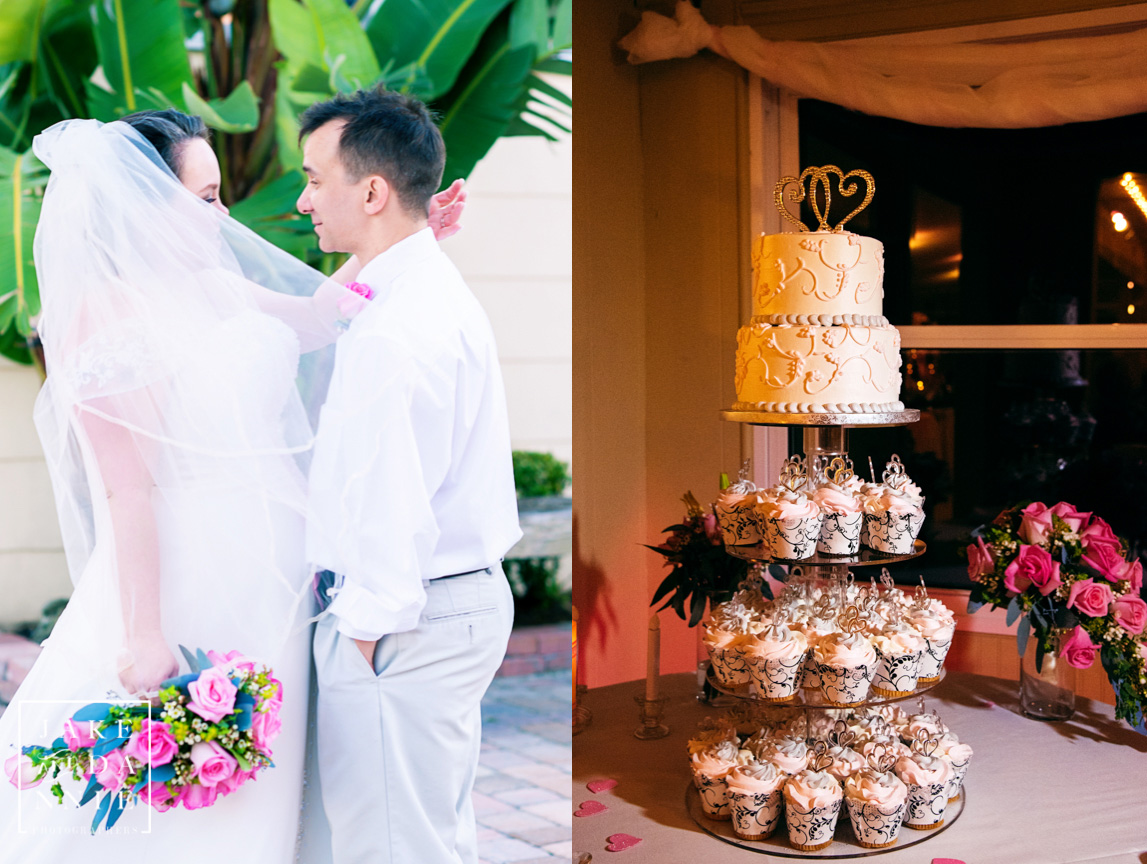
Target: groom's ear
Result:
[377, 194]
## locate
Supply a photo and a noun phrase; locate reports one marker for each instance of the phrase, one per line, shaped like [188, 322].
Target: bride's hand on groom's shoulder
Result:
[446, 210]
[145, 663]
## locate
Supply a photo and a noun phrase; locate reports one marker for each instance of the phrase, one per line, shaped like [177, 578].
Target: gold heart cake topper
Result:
[851, 621]
[895, 476]
[819, 177]
[821, 759]
[925, 744]
[881, 759]
[793, 476]
[839, 471]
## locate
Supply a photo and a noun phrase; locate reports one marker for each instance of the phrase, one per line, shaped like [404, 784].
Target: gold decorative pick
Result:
[821, 759]
[793, 476]
[851, 621]
[819, 177]
[924, 744]
[839, 471]
[894, 474]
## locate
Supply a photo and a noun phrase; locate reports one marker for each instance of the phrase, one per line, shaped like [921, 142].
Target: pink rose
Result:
[212, 695]
[1107, 560]
[980, 561]
[21, 772]
[275, 700]
[1090, 597]
[231, 660]
[1099, 533]
[349, 305]
[158, 796]
[198, 796]
[154, 736]
[266, 727]
[1032, 566]
[1143, 650]
[80, 734]
[1131, 613]
[1078, 650]
[226, 787]
[1035, 525]
[360, 288]
[1074, 519]
[1134, 574]
[112, 769]
[212, 763]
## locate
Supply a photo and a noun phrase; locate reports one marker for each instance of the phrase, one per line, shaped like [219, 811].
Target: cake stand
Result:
[825, 436]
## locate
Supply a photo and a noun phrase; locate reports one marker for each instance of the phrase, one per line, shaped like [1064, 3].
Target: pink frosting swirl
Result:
[885, 790]
[845, 762]
[920, 770]
[931, 625]
[759, 778]
[896, 640]
[787, 754]
[848, 650]
[790, 506]
[810, 789]
[831, 498]
[716, 761]
[957, 753]
[777, 643]
[899, 503]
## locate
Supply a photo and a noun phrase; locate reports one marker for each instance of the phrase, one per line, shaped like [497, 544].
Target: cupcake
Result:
[775, 656]
[790, 523]
[710, 768]
[724, 647]
[927, 779]
[894, 518]
[789, 755]
[846, 663]
[812, 805]
[876, 801]
[710, 732]
[878, 745]
[898, 652]
[841, 514]
[923, 724]
[755, 799]
[937, 630]
[866, 495]
[958, 755]
[736, 510]
[819, 624]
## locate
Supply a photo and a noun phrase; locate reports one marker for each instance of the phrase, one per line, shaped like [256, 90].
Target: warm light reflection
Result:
[1130, 284]
[1118, 220]
[1130, 308]
[1128, 183]
[919, 385]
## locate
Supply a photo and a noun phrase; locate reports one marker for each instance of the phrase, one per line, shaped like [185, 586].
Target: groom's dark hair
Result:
[389, 134]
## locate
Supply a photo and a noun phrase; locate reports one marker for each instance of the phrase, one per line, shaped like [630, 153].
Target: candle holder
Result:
[651, 712]
[581, 715]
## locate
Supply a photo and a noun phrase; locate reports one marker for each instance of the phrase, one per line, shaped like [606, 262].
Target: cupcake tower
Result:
[827, 510]
[832, 645]
[885, 769]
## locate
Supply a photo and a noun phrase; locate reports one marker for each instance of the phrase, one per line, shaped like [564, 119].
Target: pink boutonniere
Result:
[351, 304]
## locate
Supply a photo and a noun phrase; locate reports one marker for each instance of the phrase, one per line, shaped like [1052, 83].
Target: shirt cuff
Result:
[361, 615]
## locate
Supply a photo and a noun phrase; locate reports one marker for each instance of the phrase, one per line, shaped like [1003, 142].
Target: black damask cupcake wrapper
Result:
[896, 673]
[891, 533]
[740, 525]
[935, 651]
[794, 540]
[843, 685]
[875, 826]
[755, 816]
[840, 535]
[776, 679]
[811, 827]
[714, 796]
[926, 804]
[959, 770]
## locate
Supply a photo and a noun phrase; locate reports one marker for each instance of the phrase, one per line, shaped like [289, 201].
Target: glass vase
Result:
[1049, 693]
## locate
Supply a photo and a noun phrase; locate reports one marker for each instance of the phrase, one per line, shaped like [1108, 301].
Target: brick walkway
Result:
[523, 794]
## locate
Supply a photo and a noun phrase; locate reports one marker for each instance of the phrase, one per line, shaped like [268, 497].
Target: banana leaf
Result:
[22, 179]
[140, 44]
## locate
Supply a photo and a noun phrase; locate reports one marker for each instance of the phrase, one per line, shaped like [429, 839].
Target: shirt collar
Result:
[386, 267]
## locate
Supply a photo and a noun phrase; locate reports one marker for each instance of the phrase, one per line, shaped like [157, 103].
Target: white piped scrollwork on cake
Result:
[818, 341]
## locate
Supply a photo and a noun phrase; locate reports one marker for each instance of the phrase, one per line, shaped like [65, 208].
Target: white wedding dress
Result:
[174, 333]
[231, 562]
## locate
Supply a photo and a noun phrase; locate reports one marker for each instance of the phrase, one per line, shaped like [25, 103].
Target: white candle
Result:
[653, 659]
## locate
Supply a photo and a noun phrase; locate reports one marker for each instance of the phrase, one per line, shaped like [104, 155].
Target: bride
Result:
[175, 424]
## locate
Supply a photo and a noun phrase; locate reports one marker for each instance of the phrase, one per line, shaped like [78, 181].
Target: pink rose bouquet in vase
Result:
[1069, 582]
[207, 733]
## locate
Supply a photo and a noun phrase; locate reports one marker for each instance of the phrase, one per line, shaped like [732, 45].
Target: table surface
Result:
[1038, 792]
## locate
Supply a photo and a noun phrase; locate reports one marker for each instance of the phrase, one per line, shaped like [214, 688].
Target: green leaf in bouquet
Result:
[974, 605]
[1022, 633]
[697, 609]
[58, 791]
[1014, 611]
[95, 712]
[102, 810]
[115, 811]
[664, 588]
[204, 660]
[679, 602]
[91, 791]
[192, 661]
[1039, 654]
[163, 773]
[244, 762]
[107, 745]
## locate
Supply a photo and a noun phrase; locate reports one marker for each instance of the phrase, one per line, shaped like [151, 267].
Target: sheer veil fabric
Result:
[177, 441]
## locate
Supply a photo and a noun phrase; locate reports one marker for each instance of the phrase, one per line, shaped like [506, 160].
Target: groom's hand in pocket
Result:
[367, 649]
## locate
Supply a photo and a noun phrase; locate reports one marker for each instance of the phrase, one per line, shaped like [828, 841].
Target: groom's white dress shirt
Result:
[411, 478]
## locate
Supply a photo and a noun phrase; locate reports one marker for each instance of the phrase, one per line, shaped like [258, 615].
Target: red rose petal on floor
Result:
[621, 842]
[590, 808]
[596, 786]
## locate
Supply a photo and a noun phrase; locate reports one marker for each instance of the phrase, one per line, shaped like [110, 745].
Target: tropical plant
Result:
[249, 68]
[539, 474]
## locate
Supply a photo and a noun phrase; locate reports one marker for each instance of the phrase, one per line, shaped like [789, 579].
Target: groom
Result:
[412, 494]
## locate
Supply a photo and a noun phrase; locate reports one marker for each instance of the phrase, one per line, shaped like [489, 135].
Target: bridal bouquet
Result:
[1065, 575]
[213, 733]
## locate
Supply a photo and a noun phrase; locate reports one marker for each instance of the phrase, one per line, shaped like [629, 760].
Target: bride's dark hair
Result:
[167, 130]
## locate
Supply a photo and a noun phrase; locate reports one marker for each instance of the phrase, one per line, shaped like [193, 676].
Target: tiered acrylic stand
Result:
[825, 436]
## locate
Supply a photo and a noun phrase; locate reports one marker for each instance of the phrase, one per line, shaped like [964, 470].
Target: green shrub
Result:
[539, 474]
